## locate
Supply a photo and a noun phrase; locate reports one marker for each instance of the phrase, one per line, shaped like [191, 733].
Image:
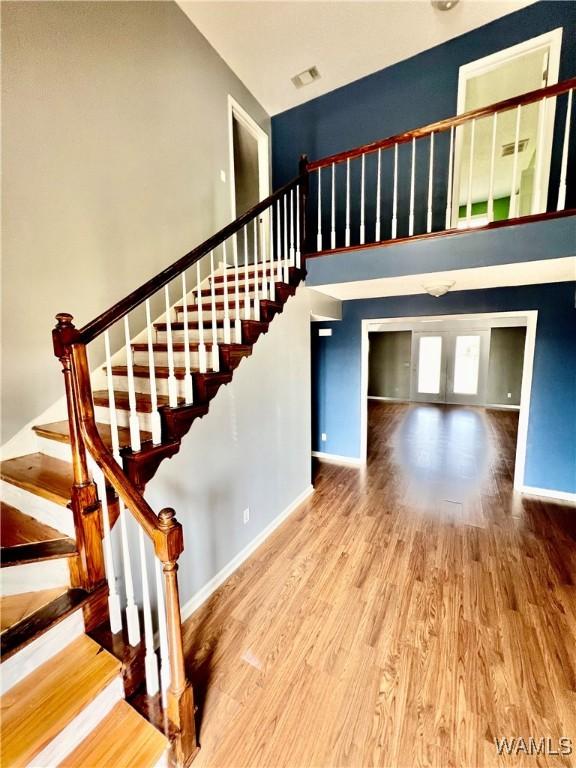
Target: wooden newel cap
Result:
[64, 334]
[168, 539]
[167, 518]
[64, 319]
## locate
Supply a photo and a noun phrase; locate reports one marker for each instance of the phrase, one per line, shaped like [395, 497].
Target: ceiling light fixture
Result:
[306, 78]
[443, 5]
[438, 289]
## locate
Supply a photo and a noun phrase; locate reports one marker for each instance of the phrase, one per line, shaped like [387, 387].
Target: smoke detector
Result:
[438, 289]
[443, 5]
[306, 78]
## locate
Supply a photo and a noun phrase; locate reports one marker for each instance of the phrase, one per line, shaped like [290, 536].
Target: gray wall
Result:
[251, 450]
[114, 131]
[389, 364]
[505, 365]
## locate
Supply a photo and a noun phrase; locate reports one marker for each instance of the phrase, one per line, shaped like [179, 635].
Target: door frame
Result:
[553, 40]
[531, 318]
[236, 111]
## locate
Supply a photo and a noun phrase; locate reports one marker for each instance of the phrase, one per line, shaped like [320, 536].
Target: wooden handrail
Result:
[97, 326]
[445, 125]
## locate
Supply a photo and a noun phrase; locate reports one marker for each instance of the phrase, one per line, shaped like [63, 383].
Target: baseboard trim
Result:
[389, 399]
[547, 493]
[216, 581]
[336, 459]
[502, 407]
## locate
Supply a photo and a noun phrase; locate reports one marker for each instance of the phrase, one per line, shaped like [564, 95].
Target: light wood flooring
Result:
[406, 615]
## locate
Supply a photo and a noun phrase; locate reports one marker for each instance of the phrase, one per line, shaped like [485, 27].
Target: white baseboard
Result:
[547, 493]
[502, 407]
[216, 581]
[389, 399]
[333, 457]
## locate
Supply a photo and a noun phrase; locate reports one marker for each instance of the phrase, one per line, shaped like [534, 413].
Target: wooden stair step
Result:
[219, 287]
[60, 432]
[40, 474]
[231, 304]
[260, 270]
[37, 552]
[124, 739]
[39, 707]
[38, 616]
[17, 528]
[143, 401]
[178, 347]
[16, 608]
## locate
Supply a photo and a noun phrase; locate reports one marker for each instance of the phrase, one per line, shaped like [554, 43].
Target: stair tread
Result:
[143, 401]
[16, 608]
[38, 552]
[60, 432]
[162, 346]
[40, 474]
[220, 305]
[37, 708]
[17, 528]
[123, 739]
[43, 617]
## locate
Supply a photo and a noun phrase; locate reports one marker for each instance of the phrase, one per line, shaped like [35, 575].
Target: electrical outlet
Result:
[323, 437]
[246, 515]
[509, 394]
[223, 177]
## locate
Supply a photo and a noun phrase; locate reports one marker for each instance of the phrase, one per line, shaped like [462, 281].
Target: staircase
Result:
[83, 658]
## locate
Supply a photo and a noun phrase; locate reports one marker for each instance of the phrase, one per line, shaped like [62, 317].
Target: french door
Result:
[450, 367]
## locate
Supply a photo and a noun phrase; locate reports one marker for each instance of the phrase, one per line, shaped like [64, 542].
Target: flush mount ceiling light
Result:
[443, 5]
[306, 78]
[438, 289]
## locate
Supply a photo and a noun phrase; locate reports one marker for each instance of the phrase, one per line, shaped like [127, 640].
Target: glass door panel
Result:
[466, 365]
[429, 383]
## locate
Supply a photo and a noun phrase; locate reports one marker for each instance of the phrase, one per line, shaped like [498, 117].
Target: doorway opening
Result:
[468, 370]
[513, 149]
[249, 160]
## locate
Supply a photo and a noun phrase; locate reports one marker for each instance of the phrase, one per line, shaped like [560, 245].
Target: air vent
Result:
[508, 149]
[306, 77]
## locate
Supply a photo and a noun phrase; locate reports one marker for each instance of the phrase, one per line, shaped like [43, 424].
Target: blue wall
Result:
[551, 449]
[410, 94]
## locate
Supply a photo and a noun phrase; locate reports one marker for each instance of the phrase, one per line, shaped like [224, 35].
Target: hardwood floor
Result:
[406, 615]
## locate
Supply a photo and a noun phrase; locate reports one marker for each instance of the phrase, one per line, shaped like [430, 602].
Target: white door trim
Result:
[551, 40]
[238, 112]
[531, 318]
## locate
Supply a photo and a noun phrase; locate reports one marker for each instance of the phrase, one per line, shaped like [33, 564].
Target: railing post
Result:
[84, 497]
[303, 213]
[180, 695]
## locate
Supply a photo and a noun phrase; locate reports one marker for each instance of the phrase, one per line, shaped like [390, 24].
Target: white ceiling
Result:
[528, 273]
[267, 42]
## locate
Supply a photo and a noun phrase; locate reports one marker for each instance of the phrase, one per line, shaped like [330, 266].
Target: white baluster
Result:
[270, 215]
[150, 661]
[513, 211]
[470, 173]
[536, 189]
[490, 210]
[333, 209]
[298, 253]
[264, 275]
[448, 222]
[202, 355]
[347, 231]
[286, 257]
[154, 413]
[237, 317]
[430, 184]
[292, 249]
[280, 268]
[133, 422]
[319, 236]
[215, 354]
[412, 180]
[111, 402]
[247, 304]
[564, 165]
[256, 296]
[378, 196]
[362, 201]
[114, 608]
[162, 633]
[172, 384]
[188, 388]
[395, 195]
[227, 335]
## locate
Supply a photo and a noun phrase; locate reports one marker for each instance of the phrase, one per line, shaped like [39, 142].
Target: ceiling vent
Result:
[306, 77]
[508, 149]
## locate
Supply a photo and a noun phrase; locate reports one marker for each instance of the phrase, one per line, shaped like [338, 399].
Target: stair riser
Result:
[54, 448]
[178, 337]
[193, 315]
[103, 417]
[142, 385]
[46, 511]
[31, 577]
[161, 359]
[40, 650]
[263, 292]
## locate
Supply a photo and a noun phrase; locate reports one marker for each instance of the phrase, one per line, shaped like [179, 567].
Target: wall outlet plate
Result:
[246, 515]
[325, 332]
[223, 176]
[324, 437]
[509, 394]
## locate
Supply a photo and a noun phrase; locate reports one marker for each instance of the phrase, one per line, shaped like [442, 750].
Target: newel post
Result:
[180, 694]
[304, 194]
[84, 497]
